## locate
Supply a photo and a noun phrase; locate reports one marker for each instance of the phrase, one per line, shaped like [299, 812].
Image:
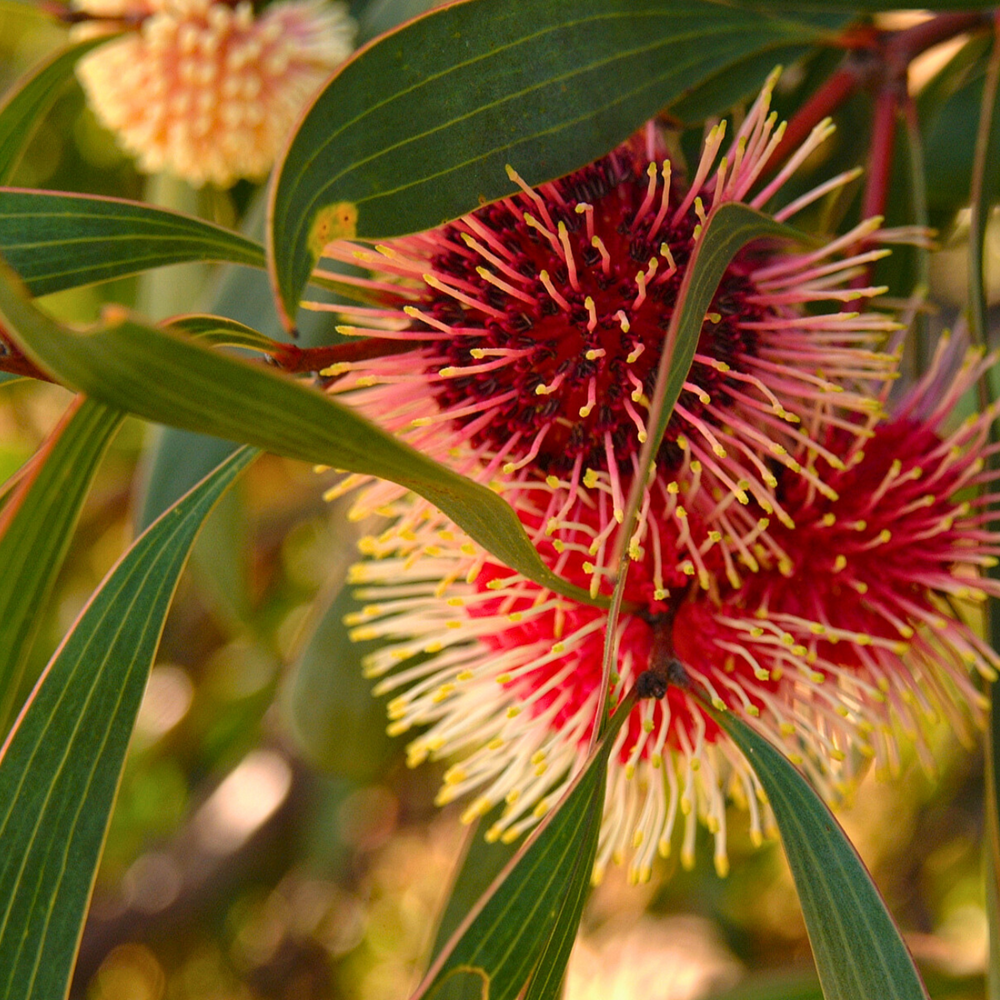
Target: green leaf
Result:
[737, 82]
[219, 330]
[180, 460]
[166, 378]
[799, 984]
[873, 6]
[23, 107]
[61, 767]
[729, 228]
[534, 905]
[858, 949]
[36, 527]
[56, 240]
[335, 721]
[481, 863]
[417, 128]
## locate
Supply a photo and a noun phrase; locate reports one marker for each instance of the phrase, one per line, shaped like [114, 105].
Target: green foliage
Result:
[858, 950]
[25, 106]
[406, 136]
[60, 769]
[525, 923]
[36, 528]
[57, 241]
[415, 130]
[165, 378]
[730, 227]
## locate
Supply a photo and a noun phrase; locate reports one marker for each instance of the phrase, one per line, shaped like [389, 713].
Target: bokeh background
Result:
[268, 840]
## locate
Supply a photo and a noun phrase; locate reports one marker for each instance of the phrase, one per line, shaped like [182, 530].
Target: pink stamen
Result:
[664, 201]
[544, 278]
[468, 300]
[647, 202]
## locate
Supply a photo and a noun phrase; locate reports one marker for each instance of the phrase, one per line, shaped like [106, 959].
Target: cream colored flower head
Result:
[209, 91]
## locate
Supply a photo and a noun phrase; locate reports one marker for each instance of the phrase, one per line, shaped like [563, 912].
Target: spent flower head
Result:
[207, 89]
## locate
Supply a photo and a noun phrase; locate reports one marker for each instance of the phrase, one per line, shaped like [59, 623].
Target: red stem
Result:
[881, 153]
[13, 360]
[902, 47]
[294, 359]
[874, 57]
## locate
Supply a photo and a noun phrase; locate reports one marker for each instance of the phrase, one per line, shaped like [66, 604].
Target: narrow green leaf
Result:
[219, 330]
[536, 901]
[417, 128]
[168, 379]
[874, 6]
[481, 863]
[36, 527]
[180, 460]
[337, 724]
[737, 82]
[859, 952]
[56, 240]
[798, 984]
[24, 105]
[60, 768]
[992, 859]
[729, 228]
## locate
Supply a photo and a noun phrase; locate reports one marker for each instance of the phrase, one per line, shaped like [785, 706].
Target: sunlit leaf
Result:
[60, 768]
[36, 527]
[23, 107]
[480, 864]
[169, 379]
[535, 903]
[417, 128]
[858, 950]
[56, 240]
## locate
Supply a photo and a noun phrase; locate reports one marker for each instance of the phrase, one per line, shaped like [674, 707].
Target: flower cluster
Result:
[206, 89]
[799, 552]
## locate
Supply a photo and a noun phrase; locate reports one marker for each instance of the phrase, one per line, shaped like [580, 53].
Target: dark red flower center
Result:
[581, 283]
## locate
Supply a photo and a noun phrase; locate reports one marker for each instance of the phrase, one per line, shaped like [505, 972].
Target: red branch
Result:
[875, 60]
[882, 149]
[294, 359]
[13, 360]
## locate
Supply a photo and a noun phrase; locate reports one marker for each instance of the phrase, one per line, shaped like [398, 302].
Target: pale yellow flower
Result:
[206, 90]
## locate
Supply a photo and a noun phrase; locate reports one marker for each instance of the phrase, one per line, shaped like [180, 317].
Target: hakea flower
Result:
[521, 344]
[856, 615]
[206, 89]
[829, 638]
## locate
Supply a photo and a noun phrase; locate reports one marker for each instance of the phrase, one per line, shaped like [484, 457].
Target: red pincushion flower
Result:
[839, 635]
[528, 336]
